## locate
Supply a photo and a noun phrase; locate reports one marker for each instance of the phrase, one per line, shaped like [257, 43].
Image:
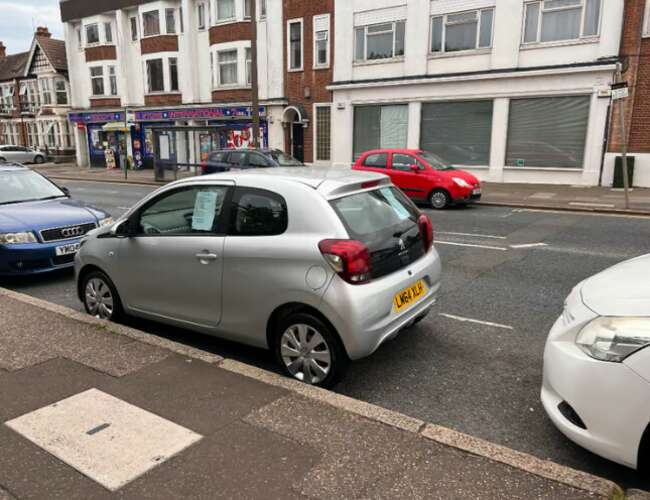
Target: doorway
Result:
[298, 141]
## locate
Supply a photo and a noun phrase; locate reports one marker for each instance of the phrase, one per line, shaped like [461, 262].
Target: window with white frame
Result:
[247, 9]
[227, 68]
[151, 23]
[294, 42]
[249, 66]
[155, 75]
[7, 95]
[181, 23]
[225, 10]
[561, 20]
[134, 28]
[462, 31]
[646, 19]
[97, 80]
[108, 33]
[46, 91]
[61, 91]
[92, 34]
[323, 132]
[80, 43]
[379, 41]
[201, 10]
[173, 74]
[322, 41]
[32, 134]
[112, 80]
[170, 21]
[262, 8]
[68, 135]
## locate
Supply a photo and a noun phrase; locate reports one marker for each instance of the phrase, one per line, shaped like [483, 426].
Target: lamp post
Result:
[255, 91]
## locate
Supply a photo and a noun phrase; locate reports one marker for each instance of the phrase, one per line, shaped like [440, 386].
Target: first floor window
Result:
[227, 67]
[112, 77]
[97, 80]
[79, 40]
[378, 127]
[225, 10]
[134, 28]
[323, 133]
[458, 132]
[173, 74]
[92, 34]
[295, 45]
[151, 23]
[108, 33]
[559, 20]
[201, 15]
[155, 77]
[61, 92]
[379, 41]
[547, 132]
[263, 8]
[464, 31]
[247, 9]
[46, 91]
[249, 66]
[321, 41]
[170, 21]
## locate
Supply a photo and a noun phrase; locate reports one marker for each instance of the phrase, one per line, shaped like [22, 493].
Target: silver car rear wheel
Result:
[305, 353]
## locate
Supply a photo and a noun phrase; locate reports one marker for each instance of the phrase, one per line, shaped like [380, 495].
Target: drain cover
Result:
[107, 439]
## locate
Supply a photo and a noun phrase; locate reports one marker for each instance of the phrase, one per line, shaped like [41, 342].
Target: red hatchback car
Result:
[423, 176]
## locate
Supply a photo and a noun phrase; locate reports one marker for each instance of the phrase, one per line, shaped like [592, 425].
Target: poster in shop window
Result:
[109, 155]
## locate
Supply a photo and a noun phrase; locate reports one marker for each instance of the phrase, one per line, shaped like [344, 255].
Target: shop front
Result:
[106, 137]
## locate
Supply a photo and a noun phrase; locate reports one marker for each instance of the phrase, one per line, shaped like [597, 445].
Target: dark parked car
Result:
[239, 159]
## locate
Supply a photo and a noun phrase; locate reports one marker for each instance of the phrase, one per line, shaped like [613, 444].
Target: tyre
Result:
[100, 297]
[439, 199]
[39, 159]
[308, 350]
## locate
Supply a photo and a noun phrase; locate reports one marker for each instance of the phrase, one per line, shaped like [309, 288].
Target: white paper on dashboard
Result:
[205, 210]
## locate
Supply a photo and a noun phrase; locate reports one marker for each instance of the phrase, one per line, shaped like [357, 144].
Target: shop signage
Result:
[195, 114]
[96, 117]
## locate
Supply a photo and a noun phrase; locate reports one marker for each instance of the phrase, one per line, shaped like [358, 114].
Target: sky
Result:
[19, 19]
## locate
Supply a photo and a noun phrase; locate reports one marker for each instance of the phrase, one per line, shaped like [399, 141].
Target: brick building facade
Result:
[34, 97]
[635, 59]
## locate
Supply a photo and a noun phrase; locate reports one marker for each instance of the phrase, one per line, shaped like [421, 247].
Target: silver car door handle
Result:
[207, 256]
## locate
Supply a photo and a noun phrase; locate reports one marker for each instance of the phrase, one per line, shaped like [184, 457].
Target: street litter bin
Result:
[618, 171]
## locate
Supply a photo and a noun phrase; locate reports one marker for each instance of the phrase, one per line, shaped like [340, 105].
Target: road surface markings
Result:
[528, 245]
[476, 321]
[541, 196]
[582, 214]
[596, 205]
[473, 235]
[502, 249]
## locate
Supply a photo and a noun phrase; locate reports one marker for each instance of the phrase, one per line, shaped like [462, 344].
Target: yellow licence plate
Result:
[409, 296]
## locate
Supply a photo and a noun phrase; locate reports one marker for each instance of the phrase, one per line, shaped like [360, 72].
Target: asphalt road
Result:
[479, 378]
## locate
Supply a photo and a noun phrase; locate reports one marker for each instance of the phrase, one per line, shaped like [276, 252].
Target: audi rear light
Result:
[350, 259]
[426, 231]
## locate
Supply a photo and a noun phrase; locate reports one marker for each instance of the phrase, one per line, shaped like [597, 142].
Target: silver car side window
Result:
[184, 212]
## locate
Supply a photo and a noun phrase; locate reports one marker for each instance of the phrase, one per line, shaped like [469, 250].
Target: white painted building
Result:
[170, 63]
[511, 90]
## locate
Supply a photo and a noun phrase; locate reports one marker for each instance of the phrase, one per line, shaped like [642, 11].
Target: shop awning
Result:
[115, 127]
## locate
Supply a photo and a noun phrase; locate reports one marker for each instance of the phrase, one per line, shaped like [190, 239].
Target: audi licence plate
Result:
[70, 249]
[409, 296]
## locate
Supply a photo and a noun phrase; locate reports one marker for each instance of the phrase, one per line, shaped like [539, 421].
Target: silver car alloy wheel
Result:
[99, 299]
[305, 353]
[438, 199]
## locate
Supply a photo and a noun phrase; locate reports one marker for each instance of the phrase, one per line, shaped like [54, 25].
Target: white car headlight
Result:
[17, 238]
[614, 339]
[461, 182]
[106, 222]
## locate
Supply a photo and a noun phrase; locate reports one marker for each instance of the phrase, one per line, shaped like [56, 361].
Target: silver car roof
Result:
[328, 181]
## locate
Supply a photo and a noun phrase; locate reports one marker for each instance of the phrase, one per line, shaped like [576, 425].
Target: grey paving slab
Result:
[363, 459]
[239, 461]
[42, 336]
[192, 393]
[31, 388]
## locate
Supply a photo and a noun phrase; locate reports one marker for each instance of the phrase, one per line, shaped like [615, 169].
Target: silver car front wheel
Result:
[99, 299]
[305, 353]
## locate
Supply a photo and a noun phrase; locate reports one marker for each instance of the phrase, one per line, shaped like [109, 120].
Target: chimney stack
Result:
[42, 31]
[3, 50]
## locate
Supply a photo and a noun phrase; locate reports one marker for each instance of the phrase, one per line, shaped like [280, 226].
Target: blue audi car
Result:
[40, 226]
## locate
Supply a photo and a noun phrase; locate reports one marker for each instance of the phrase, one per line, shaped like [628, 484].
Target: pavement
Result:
[547, 196]
[97, 410]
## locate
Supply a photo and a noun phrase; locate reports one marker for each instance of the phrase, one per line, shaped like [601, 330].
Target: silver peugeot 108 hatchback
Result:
[319, 265]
